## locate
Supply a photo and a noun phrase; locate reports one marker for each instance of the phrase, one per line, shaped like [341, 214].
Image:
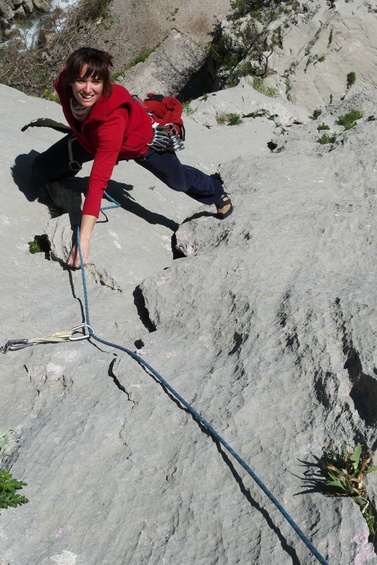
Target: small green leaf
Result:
[355, 457]
[371, 470]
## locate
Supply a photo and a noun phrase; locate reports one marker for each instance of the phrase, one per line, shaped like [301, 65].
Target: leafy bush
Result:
[140, 58]
[243, 7]
[258, 85]
[231, 119]
[323, 127]
[351, 79]
[187, 108]
[8, 491]
[344, 472]
[244, 50]
[348, 120]
[326, 138]
[315, 114]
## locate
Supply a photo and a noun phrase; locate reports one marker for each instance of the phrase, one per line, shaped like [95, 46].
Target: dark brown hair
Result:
[98, 63]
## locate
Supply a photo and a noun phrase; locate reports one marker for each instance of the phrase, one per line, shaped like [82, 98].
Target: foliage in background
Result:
[244, 48]
[33, 71]
[256, 7]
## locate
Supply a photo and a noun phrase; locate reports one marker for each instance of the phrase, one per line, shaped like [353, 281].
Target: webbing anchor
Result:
[71, 335]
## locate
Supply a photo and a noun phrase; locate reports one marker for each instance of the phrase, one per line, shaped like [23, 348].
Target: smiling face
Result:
[87, 91]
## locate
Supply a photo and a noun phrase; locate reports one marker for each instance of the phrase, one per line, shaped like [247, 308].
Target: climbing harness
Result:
[71, 335]
[74, 165]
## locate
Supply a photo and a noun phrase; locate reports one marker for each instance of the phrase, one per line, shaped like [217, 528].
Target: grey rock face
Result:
[168, 68]
[6, 10]
[265, 324]
[10, 9]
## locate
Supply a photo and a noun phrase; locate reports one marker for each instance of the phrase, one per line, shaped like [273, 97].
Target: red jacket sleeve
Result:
[109, 142]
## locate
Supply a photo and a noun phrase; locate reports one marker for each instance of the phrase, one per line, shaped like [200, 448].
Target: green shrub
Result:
[50, 95]
[231, 119]
[315, 114]
[348, 120]
[323, 127]
[187, 108]
[344, 472]
[254, 7]
[234, 119]
[140, 58]
[351, 79]
[34, 246]
[330, 38]
[258, 85]
[8, 491]
[326, 138]
[40, 243]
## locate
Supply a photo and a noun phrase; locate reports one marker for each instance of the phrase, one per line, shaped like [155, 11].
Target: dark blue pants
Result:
[54, 164]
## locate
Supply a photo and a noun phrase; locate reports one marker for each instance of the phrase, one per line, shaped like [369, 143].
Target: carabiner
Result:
[15, 344]
[82, 336]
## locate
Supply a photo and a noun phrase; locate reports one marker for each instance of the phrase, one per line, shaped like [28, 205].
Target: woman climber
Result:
[109, 125]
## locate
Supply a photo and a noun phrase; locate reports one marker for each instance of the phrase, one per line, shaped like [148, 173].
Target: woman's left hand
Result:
[87, 225]
[74, 257]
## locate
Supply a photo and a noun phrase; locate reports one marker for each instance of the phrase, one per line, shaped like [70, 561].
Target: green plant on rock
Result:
[245, 50]
[326, 138]
[50, 95]
[234, 119]
[187, 108]
[323, 127]
[34, 246]
[315, 114]
[231, 119]
[351, 79]
[259, 85]
[349, 120]
[140, 58]
[3, 438]
[254, 7]
[344, 472]
[40, 244]
[9, 486]
[330, 38]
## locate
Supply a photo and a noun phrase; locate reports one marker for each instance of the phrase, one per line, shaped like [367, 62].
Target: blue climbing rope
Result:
[193, 412]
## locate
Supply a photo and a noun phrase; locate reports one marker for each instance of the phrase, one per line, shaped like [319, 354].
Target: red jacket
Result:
[117, 128]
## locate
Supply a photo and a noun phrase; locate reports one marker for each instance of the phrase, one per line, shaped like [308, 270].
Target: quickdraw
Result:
[70, 335]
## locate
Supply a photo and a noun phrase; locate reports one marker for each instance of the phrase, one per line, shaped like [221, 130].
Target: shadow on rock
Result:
[120, 193]
[57, 198]
[31, 186]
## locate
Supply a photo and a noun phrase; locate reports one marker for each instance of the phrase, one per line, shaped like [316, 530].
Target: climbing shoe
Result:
[224, 207]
